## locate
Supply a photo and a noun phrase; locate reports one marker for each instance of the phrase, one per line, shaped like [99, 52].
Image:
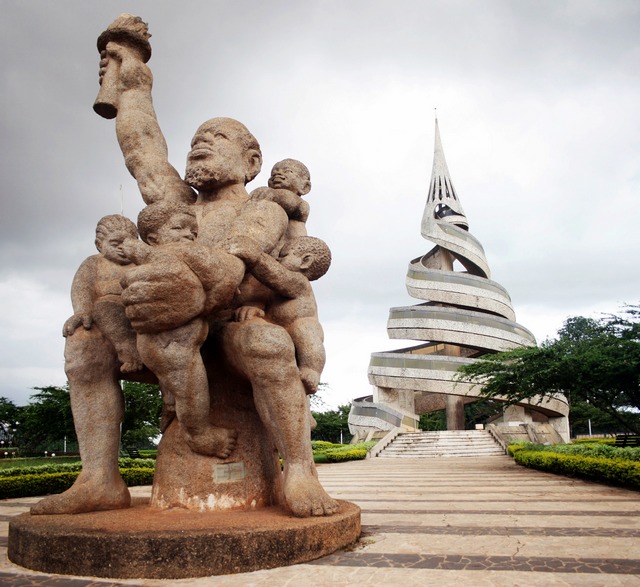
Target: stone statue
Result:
[224, 316]
[96, 291]
[170, 350]
[292, 303]
[289, 181]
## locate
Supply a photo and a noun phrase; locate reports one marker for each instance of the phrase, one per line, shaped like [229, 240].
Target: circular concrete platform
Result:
[146, 543]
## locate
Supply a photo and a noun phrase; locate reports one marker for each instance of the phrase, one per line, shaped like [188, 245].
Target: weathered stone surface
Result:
[143, 542]
[223, 316]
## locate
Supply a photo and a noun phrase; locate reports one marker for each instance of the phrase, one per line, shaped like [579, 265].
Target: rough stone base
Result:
[146, 543]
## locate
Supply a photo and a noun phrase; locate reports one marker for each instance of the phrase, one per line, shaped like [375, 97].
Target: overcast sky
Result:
[538, 111]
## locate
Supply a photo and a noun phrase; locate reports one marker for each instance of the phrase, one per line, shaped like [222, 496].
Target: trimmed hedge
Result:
[341, 455]
[587, 449]
[322, 444]
[326, 452]
[123, 463]
[620, 472]
[31, 485]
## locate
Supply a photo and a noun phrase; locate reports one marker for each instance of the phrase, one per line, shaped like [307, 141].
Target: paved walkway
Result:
[446, 522]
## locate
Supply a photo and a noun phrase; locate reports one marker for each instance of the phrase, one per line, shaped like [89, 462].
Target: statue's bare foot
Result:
[304, 495]
[213, 441]
[85, 496]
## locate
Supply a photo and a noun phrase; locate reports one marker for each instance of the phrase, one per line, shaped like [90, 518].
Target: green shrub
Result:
[514, 447]
[322, 445]
[339, 456]
[588, 449]
[137, 476]
[123, 463]
[607, 470]
[33, 485]
[129, 463]
[42, 469]
[45, 483]
[365, 445]
[326, 452]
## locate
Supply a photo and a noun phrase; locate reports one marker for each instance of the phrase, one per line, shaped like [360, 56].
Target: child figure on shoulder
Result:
[289, 181]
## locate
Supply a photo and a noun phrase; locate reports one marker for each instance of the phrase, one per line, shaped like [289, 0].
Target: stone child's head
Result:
[111, 232]
[307, 255]
[223, 152]
[167, 222]
[292, 175]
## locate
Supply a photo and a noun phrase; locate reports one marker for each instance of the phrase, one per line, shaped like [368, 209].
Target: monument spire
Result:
[462, 316]
[442, 200]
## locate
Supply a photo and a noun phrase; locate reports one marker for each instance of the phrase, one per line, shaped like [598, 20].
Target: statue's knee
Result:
[88, 357]
[267, 341]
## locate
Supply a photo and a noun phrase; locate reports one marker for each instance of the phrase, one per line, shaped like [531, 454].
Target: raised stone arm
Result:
[139, 135]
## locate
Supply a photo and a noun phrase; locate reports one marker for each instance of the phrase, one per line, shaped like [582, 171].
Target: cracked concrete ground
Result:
[478, 522]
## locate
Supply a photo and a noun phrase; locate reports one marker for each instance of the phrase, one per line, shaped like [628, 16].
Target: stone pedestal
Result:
[250, 478]
[144, 542]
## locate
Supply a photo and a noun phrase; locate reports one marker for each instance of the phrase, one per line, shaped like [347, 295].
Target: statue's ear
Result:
[254, 164]
[306, 189]
[307, 260]
[152, 238]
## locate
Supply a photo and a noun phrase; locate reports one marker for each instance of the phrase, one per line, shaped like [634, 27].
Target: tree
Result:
[585, 417]
[431, 421]
[10, 416]
[142, 412]
[332, 425]
[594, 361]
[47, 420]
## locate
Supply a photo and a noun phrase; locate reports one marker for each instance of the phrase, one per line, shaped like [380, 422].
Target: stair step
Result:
[445, 443]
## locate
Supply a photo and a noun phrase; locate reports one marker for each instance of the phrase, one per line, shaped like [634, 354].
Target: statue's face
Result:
[292, 259]
[111, 247]
[288, 176]
[217, 157]
[180, 228]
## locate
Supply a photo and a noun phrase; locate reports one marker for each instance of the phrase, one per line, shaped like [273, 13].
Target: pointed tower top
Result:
[442, 201]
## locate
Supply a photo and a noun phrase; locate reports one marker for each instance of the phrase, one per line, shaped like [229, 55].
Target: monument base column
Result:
[455, 412]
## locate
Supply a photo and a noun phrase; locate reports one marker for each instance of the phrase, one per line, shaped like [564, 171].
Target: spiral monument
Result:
[464, 315]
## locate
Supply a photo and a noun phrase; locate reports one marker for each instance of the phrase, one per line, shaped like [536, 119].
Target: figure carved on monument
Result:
[96, 293]
[218, 268]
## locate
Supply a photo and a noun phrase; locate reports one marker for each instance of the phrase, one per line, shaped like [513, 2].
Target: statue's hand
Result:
[161, 296]
[72, 324]
[134, 73]
[135, 251]
[244, 248]
[247, 313]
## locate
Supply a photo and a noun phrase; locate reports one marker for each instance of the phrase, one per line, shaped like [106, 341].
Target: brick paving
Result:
[478, 522]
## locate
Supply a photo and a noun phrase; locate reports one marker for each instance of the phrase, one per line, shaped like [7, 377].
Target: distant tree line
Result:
[46, 422]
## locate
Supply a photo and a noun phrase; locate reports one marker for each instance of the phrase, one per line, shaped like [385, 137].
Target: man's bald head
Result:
[223, 151]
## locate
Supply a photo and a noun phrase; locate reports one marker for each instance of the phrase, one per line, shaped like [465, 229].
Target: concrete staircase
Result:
[445, 443]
